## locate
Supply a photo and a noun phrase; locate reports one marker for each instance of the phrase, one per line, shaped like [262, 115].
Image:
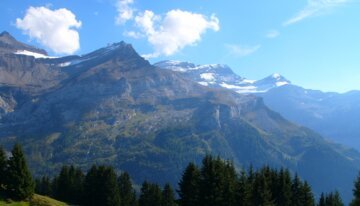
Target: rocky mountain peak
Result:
[274, 79]
[6, 35]
[8, 44]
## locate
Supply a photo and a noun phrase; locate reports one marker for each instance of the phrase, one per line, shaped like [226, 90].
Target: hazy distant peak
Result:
[221, 75]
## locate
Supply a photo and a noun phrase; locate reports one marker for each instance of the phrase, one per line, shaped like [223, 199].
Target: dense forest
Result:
[216, 183]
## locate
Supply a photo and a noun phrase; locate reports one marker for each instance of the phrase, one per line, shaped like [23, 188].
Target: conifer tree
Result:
[356, 192]
[296, 199]
[242, 190]
[333, 199]
[322, 200]
[168, 196]
[43, 186]
[229, 181]
[189, 186]
[19, 183]
[63, 184]
[101, 188]
[127, 193]
[218, 182]
[3, 165]
[261, 192]
[249, 186]
[306, 195]
[282, 189]
[150, 195]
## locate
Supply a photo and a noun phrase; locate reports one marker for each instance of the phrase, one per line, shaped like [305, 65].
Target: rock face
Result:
[112, 107]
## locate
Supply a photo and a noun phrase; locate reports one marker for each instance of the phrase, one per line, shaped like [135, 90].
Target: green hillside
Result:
[37, 200]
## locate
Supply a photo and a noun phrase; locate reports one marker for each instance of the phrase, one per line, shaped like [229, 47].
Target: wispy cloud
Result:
[272, 34]
[313, 8]
[242, 50]
[125, 11]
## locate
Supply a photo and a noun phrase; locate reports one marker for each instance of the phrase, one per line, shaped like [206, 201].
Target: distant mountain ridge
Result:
[333, 115]
[112, 106]
[221, 76]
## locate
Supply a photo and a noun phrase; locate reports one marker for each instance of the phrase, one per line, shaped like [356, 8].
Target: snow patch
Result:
[276, 75]
[34, 54]
[208, 76]
[248, 81]
[279, 84]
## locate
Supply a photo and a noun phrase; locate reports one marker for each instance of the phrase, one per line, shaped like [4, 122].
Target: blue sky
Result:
[313, 43]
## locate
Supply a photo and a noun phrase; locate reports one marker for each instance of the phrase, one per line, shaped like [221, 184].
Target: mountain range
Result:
[111, 106]
[333, 115]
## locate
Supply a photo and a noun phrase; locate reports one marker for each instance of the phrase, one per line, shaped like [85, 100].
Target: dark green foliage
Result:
[3, 165]
[283, 188]
[331, 199]
[127, 193]
[242, 190]
[322, 200]
[218, 182]
[189, 186]
[261, 194]
[44, 186]
[356, 192]
[168, 196]
[150, 195]
[69, 185]
[101, 188]
[296, 199]
[306, 195]
[19, 183]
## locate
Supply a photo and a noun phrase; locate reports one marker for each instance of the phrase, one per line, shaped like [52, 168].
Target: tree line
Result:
[215, 183]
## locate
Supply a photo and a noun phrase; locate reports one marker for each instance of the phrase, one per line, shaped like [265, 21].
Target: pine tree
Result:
[101, 187]
[261, 192]
[150, 195]
[241, 190]
[19, 183]
[356, 192]
[296, 199]
[168, 196]
[322, 200]
[3, 165]
[249, 186]
[230, 182]
[127, 193]
[63, 184]
[70, 185]
[306, 195]
[189, 186]
[283, 188]
[43, 186]
[333, 199]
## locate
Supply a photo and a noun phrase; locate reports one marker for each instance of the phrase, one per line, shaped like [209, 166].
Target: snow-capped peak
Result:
[220, 75]
[276, 75]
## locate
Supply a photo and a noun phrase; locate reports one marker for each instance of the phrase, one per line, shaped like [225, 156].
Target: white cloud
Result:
[125, 11]
[314, 7]
[176, 30]
[240, 50]
[133, 34]
[272, 34]
[55, 29]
